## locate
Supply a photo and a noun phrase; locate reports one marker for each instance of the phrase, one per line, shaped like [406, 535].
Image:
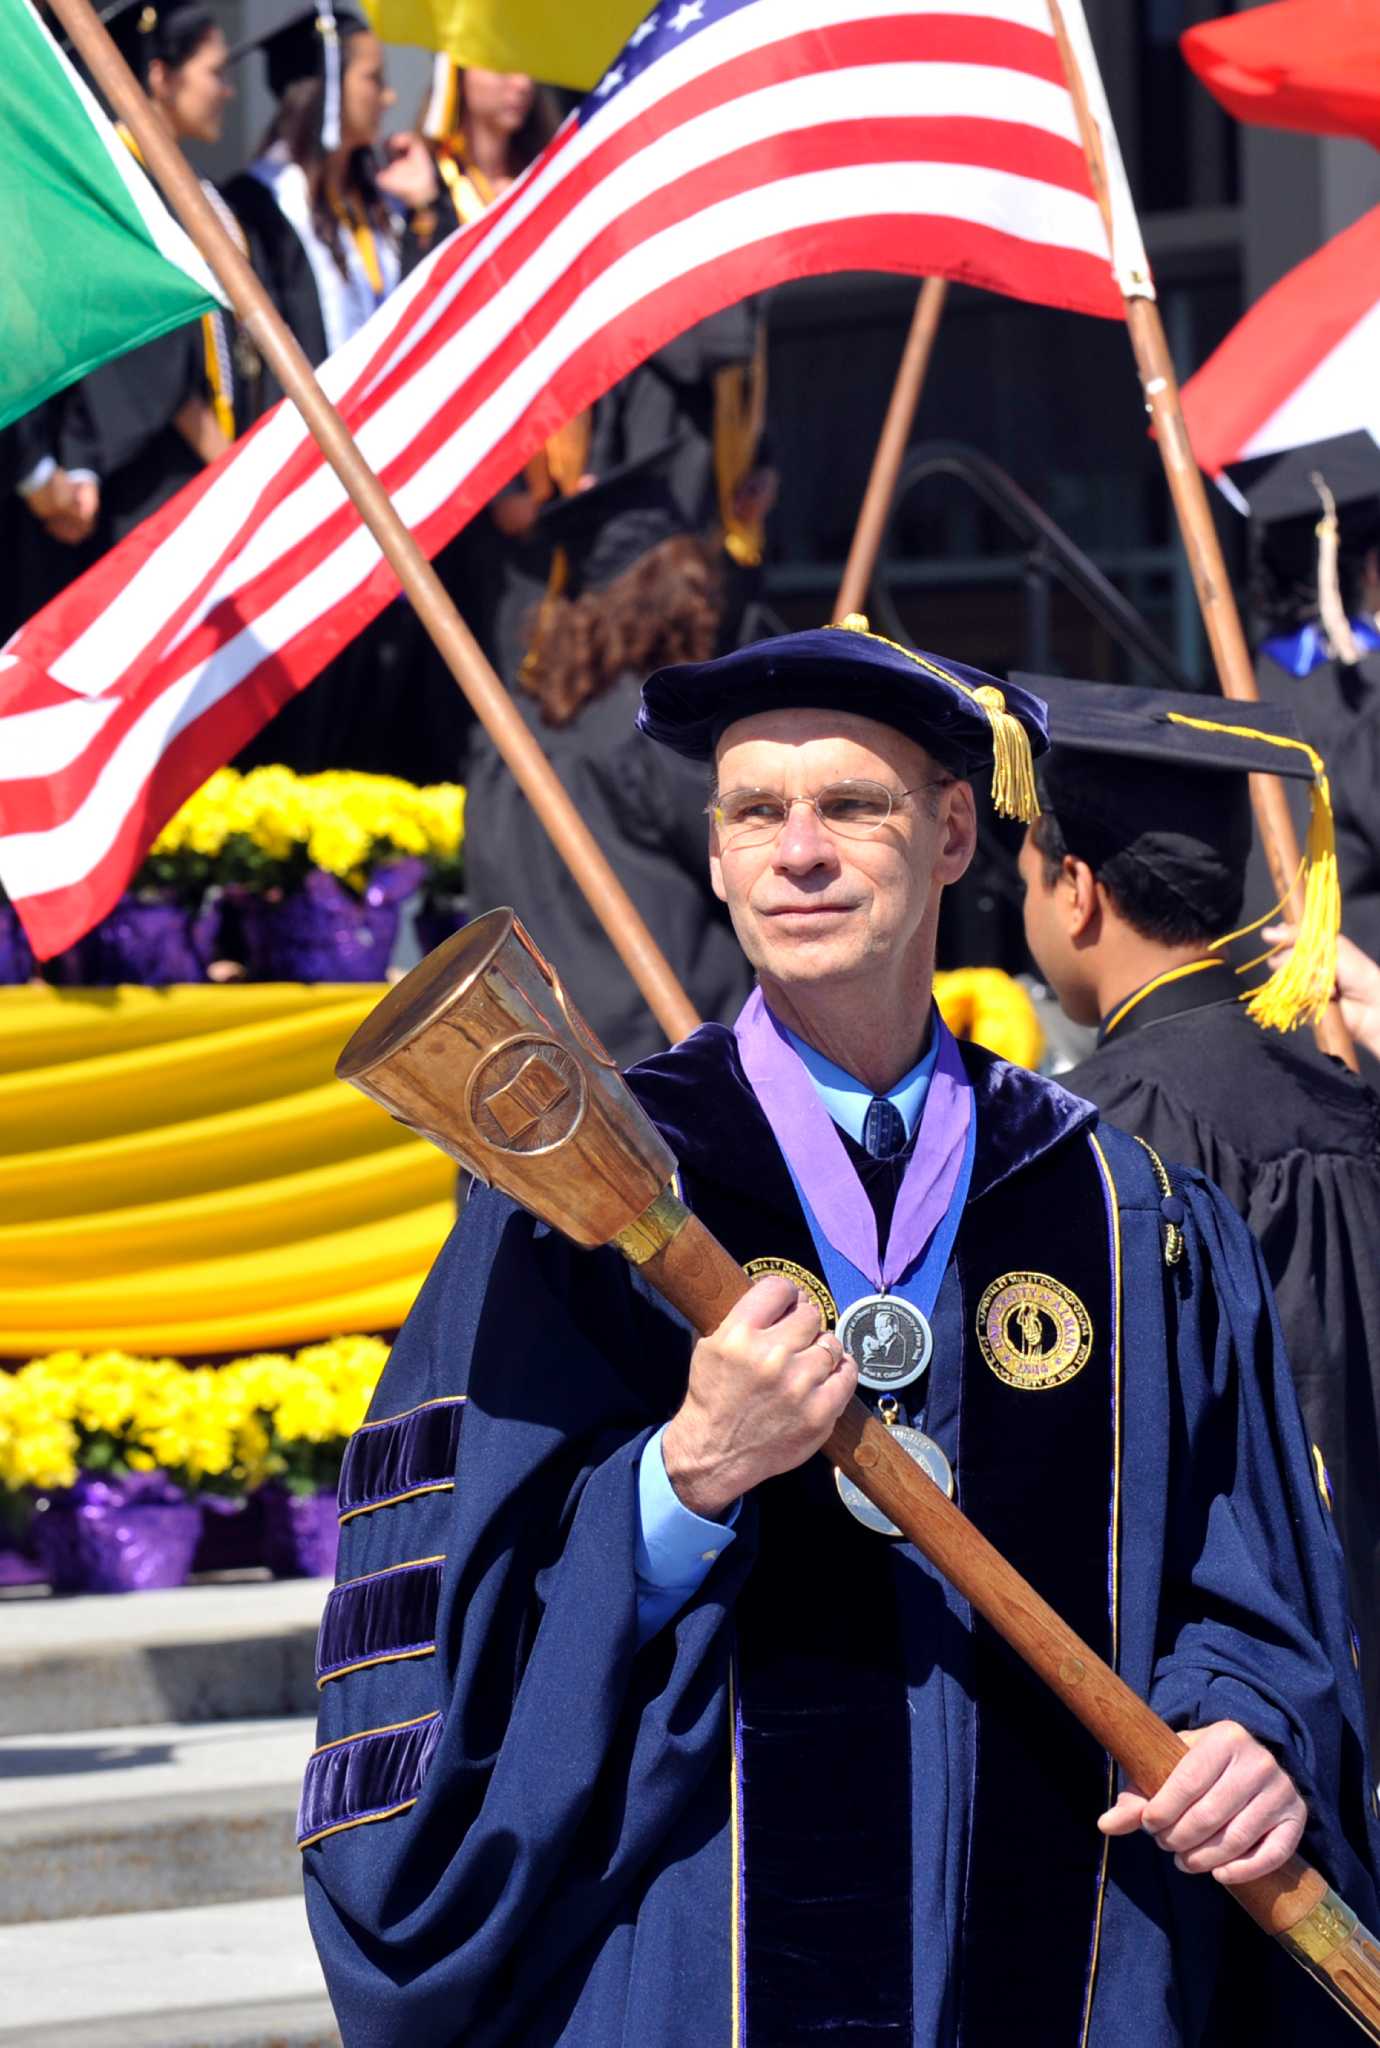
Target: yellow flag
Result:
[553, 40]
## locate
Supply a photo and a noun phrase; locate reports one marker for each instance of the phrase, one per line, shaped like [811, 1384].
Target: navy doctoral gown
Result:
[824, 1804]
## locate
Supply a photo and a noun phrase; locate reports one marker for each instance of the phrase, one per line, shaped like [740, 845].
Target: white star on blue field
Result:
[669, 24]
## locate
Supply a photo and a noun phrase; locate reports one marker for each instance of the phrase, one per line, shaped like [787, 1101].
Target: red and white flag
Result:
[1301, 366]
[734, 144]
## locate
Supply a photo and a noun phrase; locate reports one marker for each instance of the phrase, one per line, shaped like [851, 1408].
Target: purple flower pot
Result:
[16, 954]
[149, 941]
[439, 918]
[232, 1534]
[17, 1568]
[301, 1532]
[323, 931]
[116, 1535]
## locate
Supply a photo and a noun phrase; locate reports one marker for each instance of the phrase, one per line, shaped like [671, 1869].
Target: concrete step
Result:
[144, 1820]
[239, 1976]
[209, 1652]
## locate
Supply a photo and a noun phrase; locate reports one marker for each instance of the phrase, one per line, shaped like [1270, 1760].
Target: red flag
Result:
[1301, 365]
[735, 143]
[1307, 64]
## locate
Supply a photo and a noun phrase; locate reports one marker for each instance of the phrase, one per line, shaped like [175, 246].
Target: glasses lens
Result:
[748, 814]
[854, 808]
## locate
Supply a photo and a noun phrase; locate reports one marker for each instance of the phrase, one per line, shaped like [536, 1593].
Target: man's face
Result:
[1052, 927]
[810, 906]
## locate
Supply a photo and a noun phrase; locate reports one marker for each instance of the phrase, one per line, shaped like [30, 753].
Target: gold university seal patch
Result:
[1033, 1330]
[804, 1279]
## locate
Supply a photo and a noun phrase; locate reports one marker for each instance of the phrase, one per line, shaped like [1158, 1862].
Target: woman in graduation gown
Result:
[637, 590]
[143, 425]
[330, 233]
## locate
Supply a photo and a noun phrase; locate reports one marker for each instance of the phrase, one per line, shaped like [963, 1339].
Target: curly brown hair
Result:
[665, 608]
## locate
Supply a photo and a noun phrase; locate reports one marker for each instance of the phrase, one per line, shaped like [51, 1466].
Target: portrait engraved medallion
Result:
[804, 1279]
[527, 1096]
[1033, 1331]
[888, 1340]
[927, 1456]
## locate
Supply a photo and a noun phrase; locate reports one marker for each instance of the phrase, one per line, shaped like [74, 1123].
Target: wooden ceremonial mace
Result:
[607, 897]
[480, 1049]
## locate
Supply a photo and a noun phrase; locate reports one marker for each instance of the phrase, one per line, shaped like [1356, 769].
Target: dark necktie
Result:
[884, 1129]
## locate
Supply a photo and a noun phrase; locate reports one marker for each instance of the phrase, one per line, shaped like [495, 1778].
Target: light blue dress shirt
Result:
[675, 1549]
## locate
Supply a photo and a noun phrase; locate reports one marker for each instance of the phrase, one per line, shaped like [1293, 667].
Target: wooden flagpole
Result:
[891, 448]
[1161, 387]
[461, 652]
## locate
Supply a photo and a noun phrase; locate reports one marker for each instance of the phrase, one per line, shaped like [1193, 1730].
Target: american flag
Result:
[732, 145]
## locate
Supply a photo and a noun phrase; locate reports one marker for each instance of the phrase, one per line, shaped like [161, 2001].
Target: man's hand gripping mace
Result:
[481, 1051]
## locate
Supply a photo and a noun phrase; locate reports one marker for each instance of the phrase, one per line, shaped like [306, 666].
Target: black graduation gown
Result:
[387, 704]
[822, 1805]
[1338, 710]
[118, 422]
[646, 808]
[1293, 1141]
[36, 567]
[670, 397]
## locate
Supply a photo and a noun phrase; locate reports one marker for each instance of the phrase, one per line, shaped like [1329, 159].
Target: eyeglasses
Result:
[852, 810]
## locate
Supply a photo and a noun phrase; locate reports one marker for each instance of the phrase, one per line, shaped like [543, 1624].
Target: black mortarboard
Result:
[1282, 486]
[1160, 777]
[308, 45]
[605, 529]
[133, 28]
[966, 719]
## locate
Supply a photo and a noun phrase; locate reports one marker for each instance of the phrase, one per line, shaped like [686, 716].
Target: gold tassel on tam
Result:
[1299, 991]
[1013, 766]
[1013, 770]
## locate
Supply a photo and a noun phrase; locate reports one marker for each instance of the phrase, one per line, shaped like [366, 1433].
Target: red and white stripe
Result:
[788, 138]
[1301, 366]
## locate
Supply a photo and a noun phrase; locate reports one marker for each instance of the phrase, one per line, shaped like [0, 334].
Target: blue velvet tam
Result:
[967, 720]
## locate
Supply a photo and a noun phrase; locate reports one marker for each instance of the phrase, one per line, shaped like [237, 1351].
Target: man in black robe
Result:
[629, 1732]
[1134, 872]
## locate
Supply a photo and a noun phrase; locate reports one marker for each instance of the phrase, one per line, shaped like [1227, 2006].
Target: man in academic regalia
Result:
[633, 1730]
[1134, 873]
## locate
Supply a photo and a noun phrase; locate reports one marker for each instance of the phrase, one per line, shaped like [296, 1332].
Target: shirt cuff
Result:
[42, 472]
[675, 1548]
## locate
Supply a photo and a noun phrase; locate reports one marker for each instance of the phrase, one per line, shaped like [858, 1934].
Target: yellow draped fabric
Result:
[565, 45]
[181, 1173]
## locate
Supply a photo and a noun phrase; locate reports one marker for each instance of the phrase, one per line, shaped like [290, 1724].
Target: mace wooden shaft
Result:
[891, 448]
[1211, 584]
[700, 1278]
[608, 899]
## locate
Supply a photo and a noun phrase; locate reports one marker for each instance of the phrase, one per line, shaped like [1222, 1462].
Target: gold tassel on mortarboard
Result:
[740, 412]
[1013, 766]
[1299, 991]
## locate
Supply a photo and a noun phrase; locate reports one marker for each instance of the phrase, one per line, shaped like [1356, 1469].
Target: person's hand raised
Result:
[765, 1390]
[409, 176]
